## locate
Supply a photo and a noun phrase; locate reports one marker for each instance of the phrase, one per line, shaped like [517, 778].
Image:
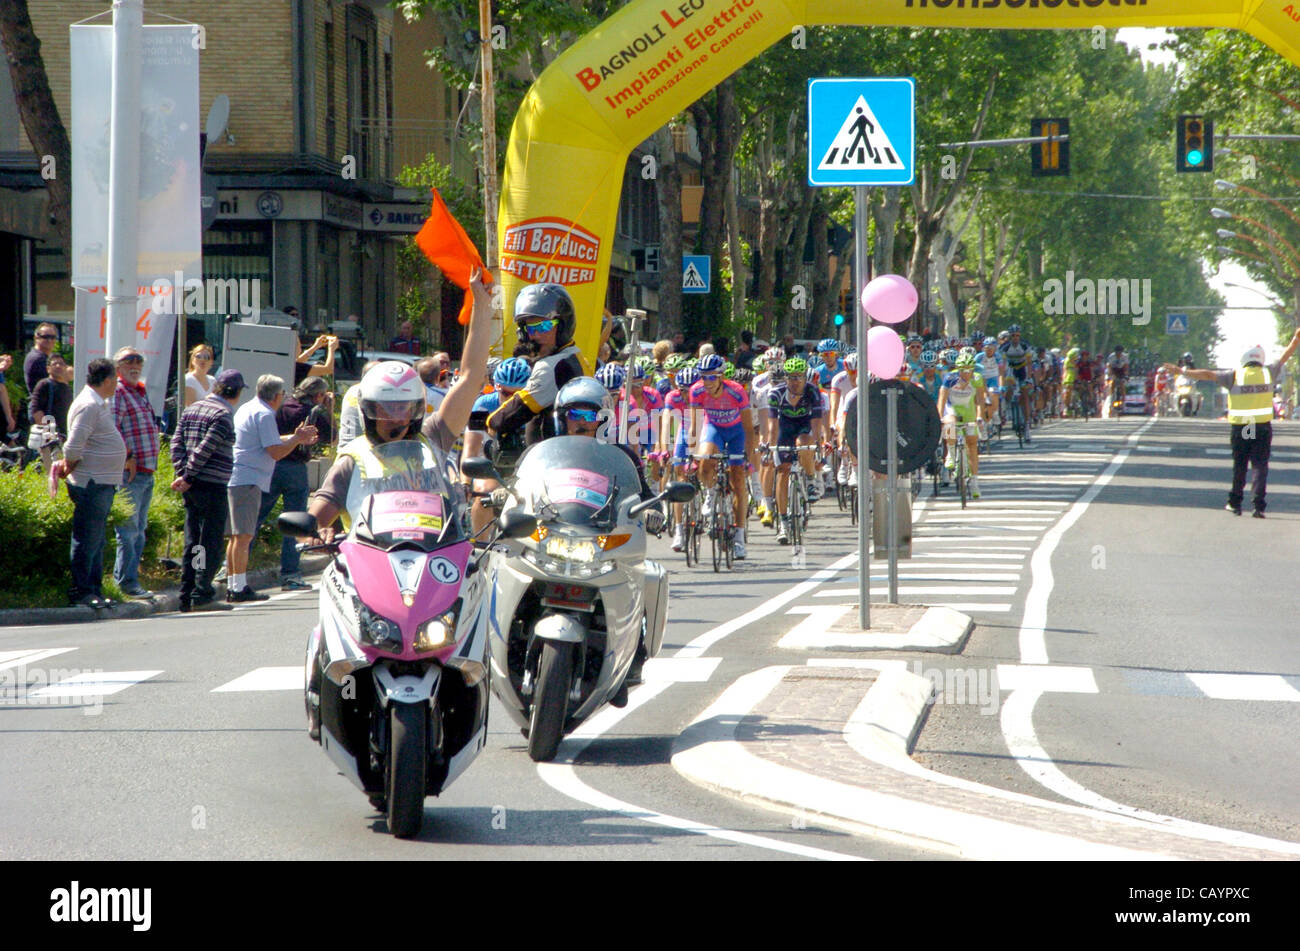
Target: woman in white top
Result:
[198, 383]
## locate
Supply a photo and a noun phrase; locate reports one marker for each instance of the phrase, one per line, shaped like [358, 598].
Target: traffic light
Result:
[1195, 144]
[839, 320]
[1050, 158]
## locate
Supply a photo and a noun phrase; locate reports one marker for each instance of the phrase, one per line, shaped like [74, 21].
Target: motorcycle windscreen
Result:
[407, 499]
[576, 480]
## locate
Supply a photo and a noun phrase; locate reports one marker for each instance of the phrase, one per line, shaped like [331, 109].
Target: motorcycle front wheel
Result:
[407, 759]
[550, 700]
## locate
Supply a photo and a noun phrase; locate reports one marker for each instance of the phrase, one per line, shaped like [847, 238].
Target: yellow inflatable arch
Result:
[613, 88]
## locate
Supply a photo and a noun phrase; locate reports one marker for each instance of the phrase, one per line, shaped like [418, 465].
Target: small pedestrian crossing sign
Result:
[696, 273]
[1175, 323]
[861, 131]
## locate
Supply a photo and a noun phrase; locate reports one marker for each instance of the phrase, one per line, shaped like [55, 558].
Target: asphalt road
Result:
[1162, 610]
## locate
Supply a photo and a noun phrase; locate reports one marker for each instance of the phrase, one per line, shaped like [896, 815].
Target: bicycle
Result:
[797, 493]
[1017, 415]
[721, 524]
[962, 466]
[692, 524]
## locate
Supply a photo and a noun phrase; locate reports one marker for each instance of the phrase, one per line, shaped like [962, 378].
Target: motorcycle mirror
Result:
[297, 524]
[679, 492]
[479, 467]
[516, 523]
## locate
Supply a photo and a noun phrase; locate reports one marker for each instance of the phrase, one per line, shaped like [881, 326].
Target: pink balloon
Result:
[884, 352]
[890, 298]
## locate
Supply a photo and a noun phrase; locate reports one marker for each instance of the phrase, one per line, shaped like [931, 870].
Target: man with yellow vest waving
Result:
[1250, 411]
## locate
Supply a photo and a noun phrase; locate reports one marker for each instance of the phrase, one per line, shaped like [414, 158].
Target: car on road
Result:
[1136, 400]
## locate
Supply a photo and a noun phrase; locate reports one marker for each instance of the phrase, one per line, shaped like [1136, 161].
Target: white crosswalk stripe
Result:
[95, 684]
[265, 678]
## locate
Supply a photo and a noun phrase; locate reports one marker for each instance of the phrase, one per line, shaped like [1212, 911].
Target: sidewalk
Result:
[163, 602]
[829, 742]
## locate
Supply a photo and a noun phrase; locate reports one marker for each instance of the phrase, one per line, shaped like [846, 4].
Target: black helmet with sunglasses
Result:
[546, 302]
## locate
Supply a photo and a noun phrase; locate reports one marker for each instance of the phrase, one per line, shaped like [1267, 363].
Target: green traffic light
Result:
[839, 320]
[1195, 157]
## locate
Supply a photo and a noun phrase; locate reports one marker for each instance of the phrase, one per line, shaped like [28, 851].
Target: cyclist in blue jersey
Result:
[509, 377]
[828, 351]
[1017, 354]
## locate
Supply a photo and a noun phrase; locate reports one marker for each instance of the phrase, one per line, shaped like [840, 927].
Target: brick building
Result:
[310, 82]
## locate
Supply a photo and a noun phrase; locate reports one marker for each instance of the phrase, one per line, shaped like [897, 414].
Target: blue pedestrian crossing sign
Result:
[862, 131]
[696, 273]
[1175, 323]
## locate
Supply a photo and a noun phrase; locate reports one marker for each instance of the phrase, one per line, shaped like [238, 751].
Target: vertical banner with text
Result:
[171, 237]
[155, 329]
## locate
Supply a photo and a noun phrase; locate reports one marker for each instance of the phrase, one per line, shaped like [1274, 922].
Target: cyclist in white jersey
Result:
[762, 386]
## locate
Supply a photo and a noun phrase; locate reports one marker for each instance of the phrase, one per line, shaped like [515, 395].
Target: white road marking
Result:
[266, 678]
[1046, 679]
[1245, 687]
[1219, 452]
[1154, 448]
[926, 590]
[919, 537]
[1033, 648]
[1018, 730]
[982, 514]
[710, 637]
[95, 683]
[10, 659]
[560, 776]
[679, 670]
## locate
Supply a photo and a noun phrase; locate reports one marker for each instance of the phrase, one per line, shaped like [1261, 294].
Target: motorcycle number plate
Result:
[574, 597]
[444, 570]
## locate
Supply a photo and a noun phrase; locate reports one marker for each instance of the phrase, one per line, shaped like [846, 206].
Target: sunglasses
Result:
[133, 358]
[584, 415]
[540, 327]
[47, 336]
[709, 376]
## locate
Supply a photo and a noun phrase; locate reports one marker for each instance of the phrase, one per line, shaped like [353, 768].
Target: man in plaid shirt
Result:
[135, 421]
[203, 455]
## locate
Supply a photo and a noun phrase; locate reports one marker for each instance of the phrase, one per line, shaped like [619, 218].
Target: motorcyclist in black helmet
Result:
[546, 322]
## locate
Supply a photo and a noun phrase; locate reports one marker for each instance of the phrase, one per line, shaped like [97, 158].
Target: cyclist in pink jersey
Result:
[723, 422]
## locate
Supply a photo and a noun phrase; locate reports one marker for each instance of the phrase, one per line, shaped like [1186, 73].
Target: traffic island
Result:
[894, 627]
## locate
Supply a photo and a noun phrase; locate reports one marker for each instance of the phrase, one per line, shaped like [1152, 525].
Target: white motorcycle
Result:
[573, 597]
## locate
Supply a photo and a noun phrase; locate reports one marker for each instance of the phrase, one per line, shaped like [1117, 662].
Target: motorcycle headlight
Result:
[379, 631]
[564, 548]
[437, 633]
[572, 557]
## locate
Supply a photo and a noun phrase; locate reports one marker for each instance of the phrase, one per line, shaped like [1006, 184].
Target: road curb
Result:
[900, 800]
[834, 627]
[163, 602]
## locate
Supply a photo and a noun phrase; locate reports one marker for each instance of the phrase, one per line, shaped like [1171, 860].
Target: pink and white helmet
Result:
[392, 392]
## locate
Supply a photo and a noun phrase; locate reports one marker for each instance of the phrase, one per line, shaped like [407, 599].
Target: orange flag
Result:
[445, 243]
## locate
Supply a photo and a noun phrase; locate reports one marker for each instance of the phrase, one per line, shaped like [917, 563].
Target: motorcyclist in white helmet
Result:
[392, 402]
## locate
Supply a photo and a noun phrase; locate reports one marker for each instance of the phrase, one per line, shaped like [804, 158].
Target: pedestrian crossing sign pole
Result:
[862, 132]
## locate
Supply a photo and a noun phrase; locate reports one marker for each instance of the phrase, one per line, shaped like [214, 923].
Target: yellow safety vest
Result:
[1250, 398]
[373, 474]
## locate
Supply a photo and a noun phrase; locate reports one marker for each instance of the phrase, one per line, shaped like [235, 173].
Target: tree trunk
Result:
[717, 122]
[38, 111]
[668, 186]
[739, 272]
[821, 286]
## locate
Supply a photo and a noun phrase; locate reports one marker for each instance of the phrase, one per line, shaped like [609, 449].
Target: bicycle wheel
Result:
[715, 538]
[693, 535]
[960, 449]
[1018, 422]
[728, 538]
[796, 514]
[853, 504]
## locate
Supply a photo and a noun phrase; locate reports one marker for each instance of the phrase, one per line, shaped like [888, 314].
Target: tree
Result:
[38, 111]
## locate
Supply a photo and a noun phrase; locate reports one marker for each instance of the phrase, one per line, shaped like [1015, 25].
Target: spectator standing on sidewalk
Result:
[94, 458]
[258, 447]
[1250, 413]
[11, 421]
[135, 421]
[52, 399]
[34, 369]
[405, 341]
[202, 453]
[310, 403]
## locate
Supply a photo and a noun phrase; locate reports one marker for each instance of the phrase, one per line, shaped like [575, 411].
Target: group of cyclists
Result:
[683, 416]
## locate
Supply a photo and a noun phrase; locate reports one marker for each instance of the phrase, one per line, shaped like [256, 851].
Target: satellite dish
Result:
[218, 116]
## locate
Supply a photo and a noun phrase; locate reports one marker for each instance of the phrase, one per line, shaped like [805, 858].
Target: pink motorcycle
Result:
[397, 686]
